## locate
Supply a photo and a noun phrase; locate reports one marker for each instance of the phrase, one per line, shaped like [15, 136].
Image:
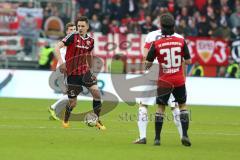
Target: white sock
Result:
[142, 121]
[176, 119]
[63, 98]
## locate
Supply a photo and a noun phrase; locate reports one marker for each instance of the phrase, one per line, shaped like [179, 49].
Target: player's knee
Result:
[142, 110]
[182, 106]
[161, 101]
[142, 114]
[95, 92]
[181, 100]
[160, 109]
[97, 96]
[73, 102]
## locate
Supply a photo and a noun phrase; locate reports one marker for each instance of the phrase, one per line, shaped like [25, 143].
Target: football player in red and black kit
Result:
[78, 68]
[172, 53]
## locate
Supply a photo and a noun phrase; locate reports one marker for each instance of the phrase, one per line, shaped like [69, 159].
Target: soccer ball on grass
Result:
[91, 119]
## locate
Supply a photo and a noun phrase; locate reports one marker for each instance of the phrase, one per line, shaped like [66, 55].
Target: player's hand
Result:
[63, 68]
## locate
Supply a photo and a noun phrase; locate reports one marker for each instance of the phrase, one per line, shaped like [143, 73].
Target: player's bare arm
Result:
[150, 57]
[90, 60]
[90, 64]
[58, 46]
[188, 61]
[148, 65]
[187, 57]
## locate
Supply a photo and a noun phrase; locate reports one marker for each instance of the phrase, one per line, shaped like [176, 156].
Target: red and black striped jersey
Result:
[170, 51]
[78, 48]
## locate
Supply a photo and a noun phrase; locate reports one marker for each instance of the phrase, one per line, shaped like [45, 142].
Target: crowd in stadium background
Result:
[198, 18]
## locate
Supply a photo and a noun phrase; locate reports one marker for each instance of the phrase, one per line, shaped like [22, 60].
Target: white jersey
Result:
[63, 54]
[151, 37]
[153, 75]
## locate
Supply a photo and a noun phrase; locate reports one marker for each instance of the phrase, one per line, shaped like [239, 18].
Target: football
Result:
[91, 119]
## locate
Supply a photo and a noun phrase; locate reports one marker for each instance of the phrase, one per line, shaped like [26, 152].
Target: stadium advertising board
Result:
[206, 51]
[8, 19]
[35, 84]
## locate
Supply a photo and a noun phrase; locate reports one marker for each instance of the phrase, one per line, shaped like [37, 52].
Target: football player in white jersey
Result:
[70, 27]
[144, 101]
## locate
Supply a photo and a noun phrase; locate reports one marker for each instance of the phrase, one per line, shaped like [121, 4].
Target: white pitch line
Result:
[112, 131]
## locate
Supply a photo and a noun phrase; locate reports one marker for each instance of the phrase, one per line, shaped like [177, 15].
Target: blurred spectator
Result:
[45, 57]
[198, 70]
[192, 28]
[222, 32]
[182, 3]
[200, 4]
[221, 71]
[171, 6]
[115, 10]
[203, 27]
[235, 17]
[133, 27]
[182, 28]
[144, 7]
[105, 25]
[130, 8]
[233, 69]
[156, 21]
[191, 8]
[28, 29]
[114, 27]
[95, 24]
[224, 17]
[148, 26]
[213, 29]
[96, 10]
[123, 28]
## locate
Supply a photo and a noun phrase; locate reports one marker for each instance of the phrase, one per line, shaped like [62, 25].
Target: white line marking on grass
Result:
[114, 131]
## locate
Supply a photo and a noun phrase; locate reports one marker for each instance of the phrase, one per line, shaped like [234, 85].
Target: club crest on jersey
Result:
[205, 49]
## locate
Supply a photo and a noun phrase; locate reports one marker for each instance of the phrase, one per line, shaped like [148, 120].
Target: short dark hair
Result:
[167, 23]
[82, 18]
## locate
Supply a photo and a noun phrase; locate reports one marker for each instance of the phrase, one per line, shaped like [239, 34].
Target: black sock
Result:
[67, 113]
[158, 125]
[97, 107]
[184, 117]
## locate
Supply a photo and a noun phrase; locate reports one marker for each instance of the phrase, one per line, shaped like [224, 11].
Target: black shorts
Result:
[179, 94]
[75, 83]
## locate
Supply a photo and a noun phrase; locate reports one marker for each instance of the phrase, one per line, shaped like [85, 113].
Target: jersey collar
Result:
[84, 37]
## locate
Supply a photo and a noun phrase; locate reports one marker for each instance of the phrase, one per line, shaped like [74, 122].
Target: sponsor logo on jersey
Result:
[84, 47]
[171, 70]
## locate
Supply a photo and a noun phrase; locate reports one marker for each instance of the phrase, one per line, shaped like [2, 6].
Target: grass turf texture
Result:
[27, 133]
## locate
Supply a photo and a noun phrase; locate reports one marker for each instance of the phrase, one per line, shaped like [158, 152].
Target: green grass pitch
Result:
[26, 133]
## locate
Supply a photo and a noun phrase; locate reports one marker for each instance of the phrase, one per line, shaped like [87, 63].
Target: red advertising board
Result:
[208, 51]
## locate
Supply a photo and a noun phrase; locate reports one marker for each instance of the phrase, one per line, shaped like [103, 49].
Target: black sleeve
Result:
[151, 53]
[186, 51]
[68, 39]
